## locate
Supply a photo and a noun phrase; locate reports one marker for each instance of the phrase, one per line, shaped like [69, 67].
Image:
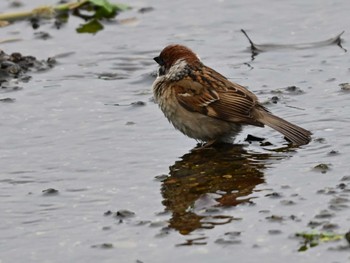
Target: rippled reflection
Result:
[207, 179]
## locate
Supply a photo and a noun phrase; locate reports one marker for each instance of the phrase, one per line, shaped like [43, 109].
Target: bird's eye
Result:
[161, 71]
[159, 60]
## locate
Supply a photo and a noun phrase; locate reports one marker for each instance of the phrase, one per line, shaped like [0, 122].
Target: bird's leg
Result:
[206, 145]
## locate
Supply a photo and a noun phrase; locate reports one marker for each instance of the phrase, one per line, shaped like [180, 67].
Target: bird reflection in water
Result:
[205, 180]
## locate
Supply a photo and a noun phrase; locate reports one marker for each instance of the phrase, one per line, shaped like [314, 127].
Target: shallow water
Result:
[75, 129]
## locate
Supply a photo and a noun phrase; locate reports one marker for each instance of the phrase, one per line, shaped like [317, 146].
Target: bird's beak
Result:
[159, 61]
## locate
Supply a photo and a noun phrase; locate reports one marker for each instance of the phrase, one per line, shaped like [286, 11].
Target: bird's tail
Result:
[292, 132]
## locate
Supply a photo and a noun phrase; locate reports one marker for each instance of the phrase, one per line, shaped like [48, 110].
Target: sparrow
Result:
[206, 106]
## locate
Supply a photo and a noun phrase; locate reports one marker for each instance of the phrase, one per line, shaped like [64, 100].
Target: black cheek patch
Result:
[161, 71]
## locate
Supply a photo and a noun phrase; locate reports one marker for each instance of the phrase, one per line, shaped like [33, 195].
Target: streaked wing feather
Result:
[227, 101]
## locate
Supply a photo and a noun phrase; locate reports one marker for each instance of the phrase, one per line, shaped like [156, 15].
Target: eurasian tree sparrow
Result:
[206, 106]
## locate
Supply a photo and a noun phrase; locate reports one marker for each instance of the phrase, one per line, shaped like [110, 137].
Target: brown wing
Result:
[212, 94]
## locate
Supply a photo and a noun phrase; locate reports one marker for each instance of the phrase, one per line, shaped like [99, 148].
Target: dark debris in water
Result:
[222, 241]
[346, 178]
[329, 226]
[291, 90]
[138, 103]
[258, 48]
[275, 218]
[345, 86]
[111, 76]
[287, 202]
[103, 246]
[320, 140]
[16, 3]
[50, 191]
[145, 9]
[7, 100]
[324, 214]
[333, 153]
[164, 231]
[274, 232]
[124, 213]
[135, 104]
[275, 99]
[274, 195]
[42, 35]
[322, 167]
[9, 86]
[229, 238]
[120, 214]
[339, 203]
[314, 224]
[107, 213]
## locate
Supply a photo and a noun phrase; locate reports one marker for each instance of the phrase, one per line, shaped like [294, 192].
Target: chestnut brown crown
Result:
[172, 53]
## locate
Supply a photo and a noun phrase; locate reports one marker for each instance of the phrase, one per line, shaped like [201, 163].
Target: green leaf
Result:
[91, 27]
[104, 4]
[121, 7]
[105, 9]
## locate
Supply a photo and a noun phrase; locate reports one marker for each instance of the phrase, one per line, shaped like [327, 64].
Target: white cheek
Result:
[176, 69]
